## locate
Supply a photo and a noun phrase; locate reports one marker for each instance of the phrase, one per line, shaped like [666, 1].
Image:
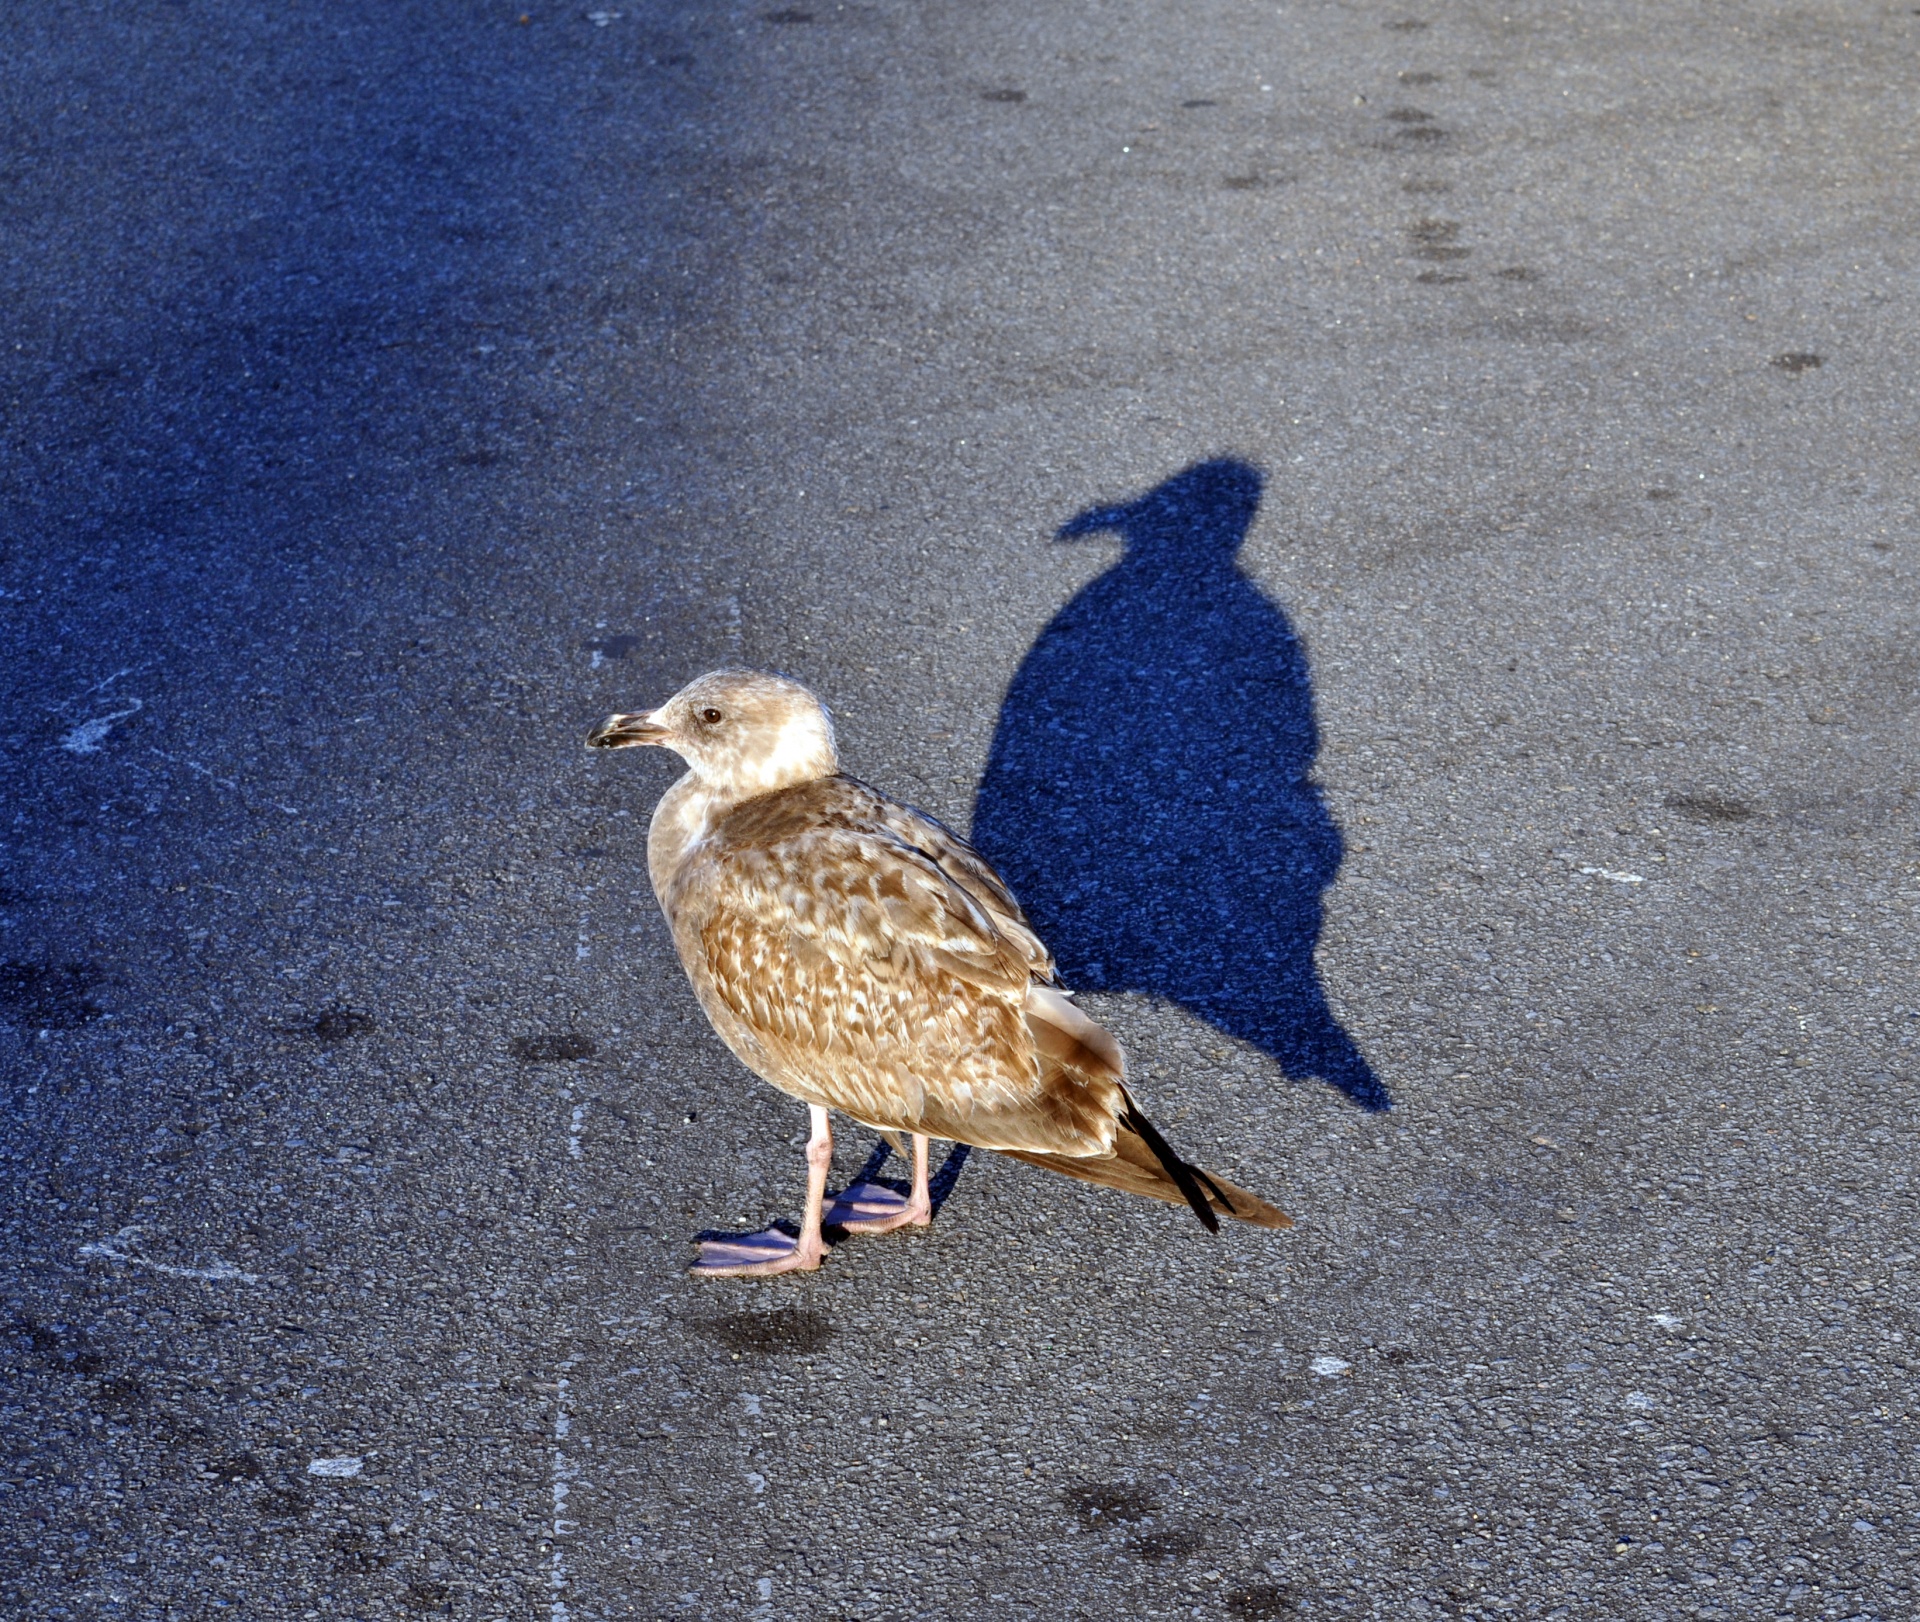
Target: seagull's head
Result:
[741, 732]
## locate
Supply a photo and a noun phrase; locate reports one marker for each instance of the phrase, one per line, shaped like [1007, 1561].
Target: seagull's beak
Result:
[627, 731]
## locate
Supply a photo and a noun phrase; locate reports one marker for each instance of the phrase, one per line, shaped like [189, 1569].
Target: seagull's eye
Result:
[711, 716]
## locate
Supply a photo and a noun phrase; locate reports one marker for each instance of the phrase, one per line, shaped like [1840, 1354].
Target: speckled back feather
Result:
[858, 955]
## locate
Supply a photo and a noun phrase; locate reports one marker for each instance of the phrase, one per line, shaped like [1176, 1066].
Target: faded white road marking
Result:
[115, 1250]
[573, 1134]
[342, 1468]
[1330, 1368]
[563, 1474]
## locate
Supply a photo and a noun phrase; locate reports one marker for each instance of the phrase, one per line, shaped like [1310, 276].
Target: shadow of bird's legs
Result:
[867, 1207]
[774, 1250]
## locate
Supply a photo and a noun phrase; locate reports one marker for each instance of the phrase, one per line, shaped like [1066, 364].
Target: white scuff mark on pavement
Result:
[1613, 877]
[1330, 1368]
[117, 1249]
[585, 943]
[756, 1481]
[195, 766]
[343, 1468]
[752, 1402]
[563, 1474]
[763, 1612]
[89, 737]
[573, 1132]
[1638, 1399]
[730, 606]
[1666, 1320]
[97, 687]
[600, 19]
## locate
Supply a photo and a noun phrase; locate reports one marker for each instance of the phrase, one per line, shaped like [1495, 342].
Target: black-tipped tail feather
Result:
[1142, 1162]
[1185, 1178]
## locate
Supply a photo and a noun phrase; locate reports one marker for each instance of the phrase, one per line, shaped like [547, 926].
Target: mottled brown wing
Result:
[868, 979]
[966, 867]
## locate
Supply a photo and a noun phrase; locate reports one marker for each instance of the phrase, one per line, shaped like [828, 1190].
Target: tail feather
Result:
[1083, 1074]
[1142, 1163]
[1176, 1168]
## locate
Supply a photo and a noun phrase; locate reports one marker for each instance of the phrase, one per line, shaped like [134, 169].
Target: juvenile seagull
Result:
[860, 956]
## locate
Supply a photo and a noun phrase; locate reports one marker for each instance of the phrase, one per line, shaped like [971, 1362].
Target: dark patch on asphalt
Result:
[1796, 362]
[1396, 1355]
[1406, 25]
[1413, 76]
[1661, 493]
[1261, 1602]
[788, 1332]
[49, 996]
[1175, 1543]
[282, 1504]
[1409, 115]
[1517, 273]
[1242, 182]
[1421, 132]
[422, 1596]
[560, 1049]
[357, 1552]
[787, 16]
[1109, 1504]
[1199, 101]
[68, 1354]
[1438, 278]
[343, 1025]
[120, 1391]
[614, 647]
[1008, 96]
[1708, 806]
[235, 1467]
[1426, 188]
[1437, 239]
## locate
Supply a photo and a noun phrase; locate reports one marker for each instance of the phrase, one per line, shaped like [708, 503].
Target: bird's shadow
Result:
[1149, 792]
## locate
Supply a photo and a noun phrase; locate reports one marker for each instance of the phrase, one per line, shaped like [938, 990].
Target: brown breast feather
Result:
[857, 954]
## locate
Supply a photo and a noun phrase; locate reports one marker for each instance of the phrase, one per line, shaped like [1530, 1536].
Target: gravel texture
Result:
[391, 390]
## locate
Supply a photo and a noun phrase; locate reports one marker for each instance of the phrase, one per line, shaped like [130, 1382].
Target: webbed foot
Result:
[874, 1208]
[755, 1255]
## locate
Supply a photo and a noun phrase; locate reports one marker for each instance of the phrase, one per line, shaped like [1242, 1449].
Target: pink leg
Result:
[869, 1208]
[757, 1254]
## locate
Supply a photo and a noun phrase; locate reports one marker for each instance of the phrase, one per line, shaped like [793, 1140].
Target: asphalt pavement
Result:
[1398, 526]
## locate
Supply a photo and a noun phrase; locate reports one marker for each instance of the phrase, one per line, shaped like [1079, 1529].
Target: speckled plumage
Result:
[862, 957]
[857, 955]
